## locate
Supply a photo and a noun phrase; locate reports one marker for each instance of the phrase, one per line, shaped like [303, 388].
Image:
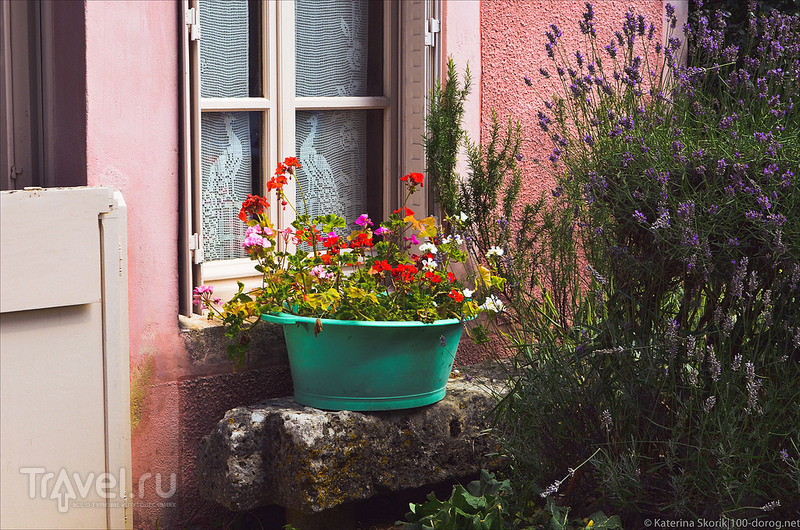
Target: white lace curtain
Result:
[225, 145]
[331, 60]
[224, 48]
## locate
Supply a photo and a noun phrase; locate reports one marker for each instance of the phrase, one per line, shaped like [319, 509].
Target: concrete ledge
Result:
[308, 460]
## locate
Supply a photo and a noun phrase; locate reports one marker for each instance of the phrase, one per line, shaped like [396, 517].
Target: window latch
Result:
[192, 19]
[196, 249]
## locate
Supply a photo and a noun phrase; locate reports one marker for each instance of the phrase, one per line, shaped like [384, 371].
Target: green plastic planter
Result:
[363, 365]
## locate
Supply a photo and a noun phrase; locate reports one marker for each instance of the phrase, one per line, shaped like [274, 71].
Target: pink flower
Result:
[320, 272]
[413, 240]
[382, 230]
[363, 220]
[203, 293]
[254, 237]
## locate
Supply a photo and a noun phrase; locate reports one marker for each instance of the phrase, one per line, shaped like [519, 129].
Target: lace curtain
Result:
[225, 138]
[224, 48]
[333, 158]
[331, 60]
[225, 151]
[331, 40]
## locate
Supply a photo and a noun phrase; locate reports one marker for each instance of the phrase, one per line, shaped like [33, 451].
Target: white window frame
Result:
[409, 68]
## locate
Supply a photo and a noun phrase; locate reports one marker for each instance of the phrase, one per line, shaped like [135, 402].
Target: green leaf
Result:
[560, 514]
[462, 500]
[329, 222]
[602, 522]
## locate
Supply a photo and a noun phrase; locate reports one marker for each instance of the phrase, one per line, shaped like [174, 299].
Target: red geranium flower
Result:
[380, 266]
[416, 178]
[253, 204]
[361, 240]
[455, 295]
[433, 277]
[292, 161]
[405, 272]
[309, 236]
[404, 211]
[331, 242]
[277, 182]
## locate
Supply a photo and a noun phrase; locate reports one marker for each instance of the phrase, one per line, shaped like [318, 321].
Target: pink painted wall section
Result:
[132, 144]
[461, 36]
[512, 46]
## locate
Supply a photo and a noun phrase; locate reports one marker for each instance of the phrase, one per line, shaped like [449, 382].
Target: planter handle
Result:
[281, 318]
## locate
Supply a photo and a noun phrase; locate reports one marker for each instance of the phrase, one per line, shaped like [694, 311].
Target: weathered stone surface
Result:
[308, 460]
[207, 345]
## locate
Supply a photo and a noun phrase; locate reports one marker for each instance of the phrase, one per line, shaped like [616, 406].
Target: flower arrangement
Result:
[400, 270]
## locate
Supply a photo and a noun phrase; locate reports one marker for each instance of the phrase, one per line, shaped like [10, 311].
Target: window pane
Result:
[333, 150]
[230, 154]
[339, 48]
[230, 48]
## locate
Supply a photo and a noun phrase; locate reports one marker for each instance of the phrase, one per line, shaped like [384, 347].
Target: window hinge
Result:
[192, 19]
[15, 171]
[431, 27]
[196, 249]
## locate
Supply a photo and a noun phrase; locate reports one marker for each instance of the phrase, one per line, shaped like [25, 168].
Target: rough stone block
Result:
[206, 345]
[308, 460]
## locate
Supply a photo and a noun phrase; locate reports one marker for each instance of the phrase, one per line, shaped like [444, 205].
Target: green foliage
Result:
[597, 521]
[487, 504]
[493, 179]
[141, 380]
[653, 300]
[444, 136]
[482, 505]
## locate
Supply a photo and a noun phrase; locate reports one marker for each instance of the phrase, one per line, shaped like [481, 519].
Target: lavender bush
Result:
[654, 298]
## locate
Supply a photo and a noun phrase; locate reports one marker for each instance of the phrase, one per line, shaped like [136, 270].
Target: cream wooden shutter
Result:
[418, 67]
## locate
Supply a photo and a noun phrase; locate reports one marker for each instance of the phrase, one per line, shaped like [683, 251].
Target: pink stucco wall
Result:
[132, 144]
[461, 42]
[512, 46]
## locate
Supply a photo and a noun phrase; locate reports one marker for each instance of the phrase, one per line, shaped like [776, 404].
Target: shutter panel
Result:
[413, 89]
[188, 244]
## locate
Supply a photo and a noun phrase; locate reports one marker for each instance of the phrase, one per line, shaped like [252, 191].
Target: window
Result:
[42, 94]
[341, 84]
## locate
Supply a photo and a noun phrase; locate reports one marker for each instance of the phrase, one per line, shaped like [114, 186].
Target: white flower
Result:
[449, 239]
[462, 217]
[494, 251]
[428, 247]
[493, 304]
[429, 264]
[468, 293]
